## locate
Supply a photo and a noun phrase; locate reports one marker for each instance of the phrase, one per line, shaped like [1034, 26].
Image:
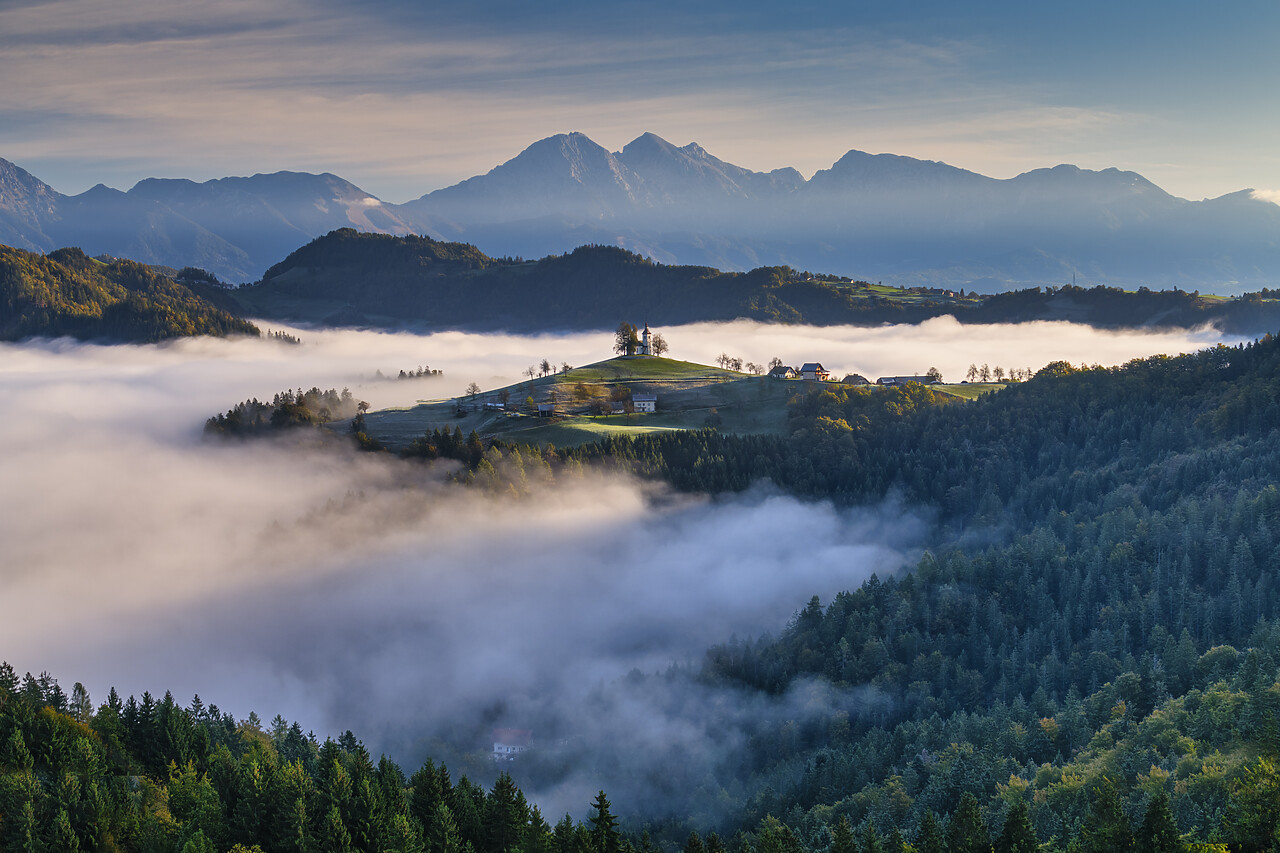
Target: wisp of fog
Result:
[355, 591]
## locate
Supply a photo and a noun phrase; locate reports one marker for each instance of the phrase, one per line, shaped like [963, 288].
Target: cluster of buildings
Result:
[813, 371]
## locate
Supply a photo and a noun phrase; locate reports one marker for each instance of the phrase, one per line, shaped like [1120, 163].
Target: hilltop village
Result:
[632, 344]
[640, 389]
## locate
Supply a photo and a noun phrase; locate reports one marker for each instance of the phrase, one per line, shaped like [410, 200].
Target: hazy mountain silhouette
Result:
[233, 227]
[871, 216]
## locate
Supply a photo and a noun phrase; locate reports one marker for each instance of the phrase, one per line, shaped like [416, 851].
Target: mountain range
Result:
[871, 216]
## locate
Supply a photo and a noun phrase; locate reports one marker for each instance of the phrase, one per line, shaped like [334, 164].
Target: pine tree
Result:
[967, 831]
[842, 837]
[1018, 836]
[774, 836]
[402, 836]
[1106, 827]
[425, 794]
[505, 816]
[298, 832]
[871, 839]
[605, 837]
[443, 837]
[26, 832]
[334, 837]
[1158, 832]
[64, 837]
[199, 843]
[929, 835]
[537, 834]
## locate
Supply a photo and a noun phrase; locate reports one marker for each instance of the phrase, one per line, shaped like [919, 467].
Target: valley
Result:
[660, 427]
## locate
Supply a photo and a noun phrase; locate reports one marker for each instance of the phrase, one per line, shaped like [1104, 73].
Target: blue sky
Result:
[405, 97]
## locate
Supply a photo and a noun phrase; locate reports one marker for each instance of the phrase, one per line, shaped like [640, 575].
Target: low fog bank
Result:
[354, 591]
[942, 342]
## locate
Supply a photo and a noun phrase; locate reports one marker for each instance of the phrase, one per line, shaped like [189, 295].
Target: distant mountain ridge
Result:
[233, 227]
[872, 216]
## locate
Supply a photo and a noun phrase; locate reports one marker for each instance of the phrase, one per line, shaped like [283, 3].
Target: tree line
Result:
[1097, 610]
[68, 293]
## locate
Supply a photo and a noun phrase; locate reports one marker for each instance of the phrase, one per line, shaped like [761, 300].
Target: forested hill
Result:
[353, 278]
[69, 293]
[156, 776]
[1100, 607]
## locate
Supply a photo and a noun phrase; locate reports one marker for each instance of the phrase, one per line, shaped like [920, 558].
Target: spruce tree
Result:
[443, 837]
[694, 843]
[1018, 836]
[1159, 832]
[842, 837]
[871, 839]
[1106, 827]
[929, 835]
[967, 831]
[334, 837]
[605, 837]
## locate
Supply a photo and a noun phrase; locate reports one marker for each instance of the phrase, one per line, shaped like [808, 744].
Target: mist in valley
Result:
[356, 591]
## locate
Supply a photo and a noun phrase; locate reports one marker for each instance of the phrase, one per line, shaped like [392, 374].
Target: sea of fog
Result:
[350, 591]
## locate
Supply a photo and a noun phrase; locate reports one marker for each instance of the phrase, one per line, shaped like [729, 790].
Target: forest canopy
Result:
[68, 293]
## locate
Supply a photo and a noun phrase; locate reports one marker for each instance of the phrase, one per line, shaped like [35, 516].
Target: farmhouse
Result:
[783, 371]
[814, 372]
[903, 380]
[508, 743]
[644, 402]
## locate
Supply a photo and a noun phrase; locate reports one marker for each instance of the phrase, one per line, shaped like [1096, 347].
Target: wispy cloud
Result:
[402, 108]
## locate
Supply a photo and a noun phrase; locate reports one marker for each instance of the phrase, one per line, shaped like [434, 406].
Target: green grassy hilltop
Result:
[690, 396]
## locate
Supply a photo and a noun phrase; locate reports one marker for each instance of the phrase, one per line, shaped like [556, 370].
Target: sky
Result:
[405, 97]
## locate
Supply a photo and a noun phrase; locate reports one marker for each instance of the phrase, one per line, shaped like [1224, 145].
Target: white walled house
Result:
[508, 743]
[644, 402]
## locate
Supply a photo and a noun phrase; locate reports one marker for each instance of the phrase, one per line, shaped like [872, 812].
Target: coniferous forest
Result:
[68, 293]
[1086, 656]
[696, 535]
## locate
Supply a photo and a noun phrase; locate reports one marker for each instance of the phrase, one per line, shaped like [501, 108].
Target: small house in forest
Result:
[508, 743]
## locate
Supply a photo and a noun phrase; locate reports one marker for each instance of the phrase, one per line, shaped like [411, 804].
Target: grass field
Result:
[690, 396]
[972, 391]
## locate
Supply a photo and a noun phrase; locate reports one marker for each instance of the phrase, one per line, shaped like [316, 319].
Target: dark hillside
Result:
[1102, 584]
[348, 276]
[69, 293]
